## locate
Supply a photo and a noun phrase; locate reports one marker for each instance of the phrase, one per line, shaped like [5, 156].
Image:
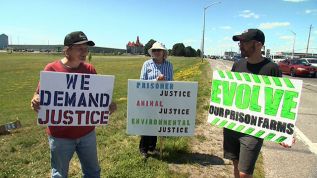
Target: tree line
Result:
[178, 49]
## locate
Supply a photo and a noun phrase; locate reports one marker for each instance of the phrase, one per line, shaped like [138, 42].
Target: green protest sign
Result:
[261, 106]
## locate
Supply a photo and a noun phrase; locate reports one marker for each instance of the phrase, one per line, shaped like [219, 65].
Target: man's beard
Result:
[247, 53]
[242, 53]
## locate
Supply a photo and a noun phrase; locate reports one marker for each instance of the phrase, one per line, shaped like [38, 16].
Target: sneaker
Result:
[144, 155]
[154, 152]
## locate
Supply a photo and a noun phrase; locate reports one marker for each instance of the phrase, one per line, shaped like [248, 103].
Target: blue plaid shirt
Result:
[150, 70]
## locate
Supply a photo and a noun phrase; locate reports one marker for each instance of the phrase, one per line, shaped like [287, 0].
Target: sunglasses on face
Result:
[156, 50]
[244, 42]
[247, 42]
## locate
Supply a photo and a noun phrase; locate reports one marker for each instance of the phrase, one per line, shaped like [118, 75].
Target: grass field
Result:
[25, 152]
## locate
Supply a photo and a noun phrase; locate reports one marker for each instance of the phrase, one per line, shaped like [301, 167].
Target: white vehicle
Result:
[278, 58]
[312, 61]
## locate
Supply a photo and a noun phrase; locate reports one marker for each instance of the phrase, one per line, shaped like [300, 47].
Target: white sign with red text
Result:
[161, 108]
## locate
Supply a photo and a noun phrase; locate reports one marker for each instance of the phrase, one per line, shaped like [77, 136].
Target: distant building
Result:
[228, 55]
[290, 54]
[4, 42]
[135, 48]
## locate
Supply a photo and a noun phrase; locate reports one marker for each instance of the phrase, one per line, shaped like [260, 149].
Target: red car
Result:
[296, 67]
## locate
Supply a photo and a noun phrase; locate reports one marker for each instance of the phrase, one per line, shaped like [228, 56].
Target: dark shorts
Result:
[242, 147]
[147, 143]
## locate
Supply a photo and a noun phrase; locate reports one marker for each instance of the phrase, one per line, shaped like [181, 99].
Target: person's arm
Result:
[286, 145]
[93, 69]
[233, 67]
[35, 102]
[160, 77]
[170, 73]
[112, 107]
[143, 75]
[276, 72]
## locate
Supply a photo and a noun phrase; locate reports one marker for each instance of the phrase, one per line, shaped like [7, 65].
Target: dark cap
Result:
[250, 34]
[77, 37]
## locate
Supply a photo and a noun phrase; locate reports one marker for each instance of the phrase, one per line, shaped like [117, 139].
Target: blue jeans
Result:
[62, 151]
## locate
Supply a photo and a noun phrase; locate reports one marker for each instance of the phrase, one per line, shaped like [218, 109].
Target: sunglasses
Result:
[244, 42]
[156, 50]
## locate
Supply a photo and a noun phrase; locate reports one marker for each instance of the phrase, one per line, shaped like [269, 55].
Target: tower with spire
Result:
[135, 47]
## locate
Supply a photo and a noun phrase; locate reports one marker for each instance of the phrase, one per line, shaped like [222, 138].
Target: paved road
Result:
[301, 159]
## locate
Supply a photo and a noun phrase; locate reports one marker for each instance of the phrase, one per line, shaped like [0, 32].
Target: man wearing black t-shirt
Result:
[244, 149]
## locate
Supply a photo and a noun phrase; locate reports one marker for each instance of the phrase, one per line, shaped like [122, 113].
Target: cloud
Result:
[248, 14]
[272, 25]
[295, 1]
[225, 27]
[311, 11]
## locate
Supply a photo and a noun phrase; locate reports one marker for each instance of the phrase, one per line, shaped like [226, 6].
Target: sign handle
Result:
[161, 146]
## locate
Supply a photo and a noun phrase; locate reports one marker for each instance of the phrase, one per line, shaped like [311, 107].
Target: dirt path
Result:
[206, 158]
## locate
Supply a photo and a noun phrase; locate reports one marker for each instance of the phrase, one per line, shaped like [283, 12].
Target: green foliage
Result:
[178, 49]
[147, 46]
[169, 52]
[118, 53]
[89, 57]
[198, 53]
[190, 52]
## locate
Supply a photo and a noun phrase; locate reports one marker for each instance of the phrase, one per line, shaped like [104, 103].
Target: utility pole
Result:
[308, 40]
[293, 44]
[203, 39]
[19, 44]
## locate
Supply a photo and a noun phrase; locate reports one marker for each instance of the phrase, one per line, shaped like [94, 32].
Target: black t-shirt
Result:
[265, 67]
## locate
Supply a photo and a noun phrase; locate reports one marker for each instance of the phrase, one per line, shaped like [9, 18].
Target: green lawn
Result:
[25, 152]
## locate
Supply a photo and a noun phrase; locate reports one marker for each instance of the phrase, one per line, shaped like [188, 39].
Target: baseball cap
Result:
[77, 37]
[250, 34]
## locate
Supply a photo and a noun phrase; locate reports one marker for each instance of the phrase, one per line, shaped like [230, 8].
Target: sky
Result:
[113, 23]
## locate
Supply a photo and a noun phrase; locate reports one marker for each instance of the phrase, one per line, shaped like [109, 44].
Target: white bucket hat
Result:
[157, 45]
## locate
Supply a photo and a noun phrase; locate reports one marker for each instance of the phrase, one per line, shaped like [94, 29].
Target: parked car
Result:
[312, 61]
[236, 57]
[297, 67]
[229, 58]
